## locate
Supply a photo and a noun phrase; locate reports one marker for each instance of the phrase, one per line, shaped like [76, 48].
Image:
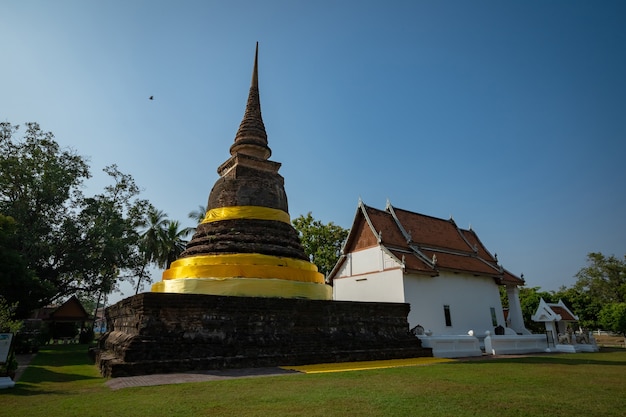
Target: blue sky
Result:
[509, 116]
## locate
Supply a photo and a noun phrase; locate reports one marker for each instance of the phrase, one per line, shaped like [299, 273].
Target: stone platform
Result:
[163, 333]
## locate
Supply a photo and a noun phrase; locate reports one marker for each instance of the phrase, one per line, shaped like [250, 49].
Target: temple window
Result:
[446, 313]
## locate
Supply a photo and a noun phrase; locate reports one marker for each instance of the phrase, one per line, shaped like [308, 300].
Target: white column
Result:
[515, 309]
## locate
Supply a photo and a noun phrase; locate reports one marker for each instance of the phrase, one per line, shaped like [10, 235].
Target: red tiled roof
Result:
[511, 279]
[565, 315]
[431, 231]
[412, 262]
[463, 263]
[419, 239]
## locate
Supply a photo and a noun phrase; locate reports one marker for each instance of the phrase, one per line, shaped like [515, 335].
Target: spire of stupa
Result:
[246, 244]
[251, 138]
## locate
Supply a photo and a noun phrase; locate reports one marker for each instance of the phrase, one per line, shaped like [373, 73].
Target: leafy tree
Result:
[110, 242]
[604, 278]
[88, 301]
[17, 283]
[7, 313]
[582, 304]
[66, 243]
[613, 318]
[321, 242]
[39, 188]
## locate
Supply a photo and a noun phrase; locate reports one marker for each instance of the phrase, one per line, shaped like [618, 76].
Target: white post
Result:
[515, 309]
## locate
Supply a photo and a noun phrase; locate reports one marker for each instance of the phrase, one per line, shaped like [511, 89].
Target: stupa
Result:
[243, 293]
[246, 245]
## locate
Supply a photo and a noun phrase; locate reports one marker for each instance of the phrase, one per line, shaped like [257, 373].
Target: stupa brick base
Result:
[163, 333]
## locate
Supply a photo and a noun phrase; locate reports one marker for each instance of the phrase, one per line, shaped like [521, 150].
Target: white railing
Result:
[515, 344]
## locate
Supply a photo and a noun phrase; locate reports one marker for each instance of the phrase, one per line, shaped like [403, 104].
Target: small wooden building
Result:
[66, 321]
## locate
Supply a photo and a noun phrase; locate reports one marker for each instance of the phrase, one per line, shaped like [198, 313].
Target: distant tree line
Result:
[598, 297]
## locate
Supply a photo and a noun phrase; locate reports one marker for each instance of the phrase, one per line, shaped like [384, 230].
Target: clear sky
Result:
[508, 115]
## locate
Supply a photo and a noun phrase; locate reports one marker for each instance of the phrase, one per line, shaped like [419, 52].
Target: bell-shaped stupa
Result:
[246, 245]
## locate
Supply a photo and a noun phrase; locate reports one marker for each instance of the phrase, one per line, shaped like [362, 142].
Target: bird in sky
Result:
[151, 97]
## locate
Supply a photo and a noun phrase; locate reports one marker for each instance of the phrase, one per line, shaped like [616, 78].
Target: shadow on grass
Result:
[561, 359]
[38, 374]
[32, 380]
[54, 368]
[28, 390]
[64, 355]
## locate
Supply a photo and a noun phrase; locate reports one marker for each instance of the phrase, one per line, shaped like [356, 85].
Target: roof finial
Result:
[251, 138]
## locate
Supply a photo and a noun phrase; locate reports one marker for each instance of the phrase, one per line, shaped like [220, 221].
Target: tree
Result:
[173, 243]
[18, 283]
[604, 279]
[154, 226]
[162, 241]
[321, 242]
[7, 313]
[197, 215]
[39, 188]
[613, 318]
[71, 244]
[110, 242]
[582, 304]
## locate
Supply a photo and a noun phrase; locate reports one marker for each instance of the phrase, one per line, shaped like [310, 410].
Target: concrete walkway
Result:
[216, 375]
[23, 360]
[197, 376]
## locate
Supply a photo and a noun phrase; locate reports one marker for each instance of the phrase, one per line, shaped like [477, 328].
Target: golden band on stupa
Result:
[246, 245]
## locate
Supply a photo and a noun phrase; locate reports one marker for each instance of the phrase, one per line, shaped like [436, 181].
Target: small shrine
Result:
[561, 328]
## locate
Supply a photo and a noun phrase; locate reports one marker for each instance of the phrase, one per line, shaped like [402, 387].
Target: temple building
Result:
[246, 245]
[445, 272]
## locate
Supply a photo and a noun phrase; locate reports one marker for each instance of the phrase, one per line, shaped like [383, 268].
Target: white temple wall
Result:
[383, 286]
[372, 275]
[365, 261]
[470, 300]
[369, 275]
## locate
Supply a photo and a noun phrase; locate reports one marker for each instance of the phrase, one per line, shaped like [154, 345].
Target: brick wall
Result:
[160, 332]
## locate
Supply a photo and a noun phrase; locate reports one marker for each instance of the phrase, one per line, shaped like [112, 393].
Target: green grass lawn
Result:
[61, 382]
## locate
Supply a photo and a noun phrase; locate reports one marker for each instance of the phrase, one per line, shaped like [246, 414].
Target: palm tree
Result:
[173, 243]
[162, 240]
[152, 236]
[197, 215]
[151, 244]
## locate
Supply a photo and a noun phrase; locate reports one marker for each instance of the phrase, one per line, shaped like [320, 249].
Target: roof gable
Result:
[547, 312]
[386, 227]
[72, 309]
